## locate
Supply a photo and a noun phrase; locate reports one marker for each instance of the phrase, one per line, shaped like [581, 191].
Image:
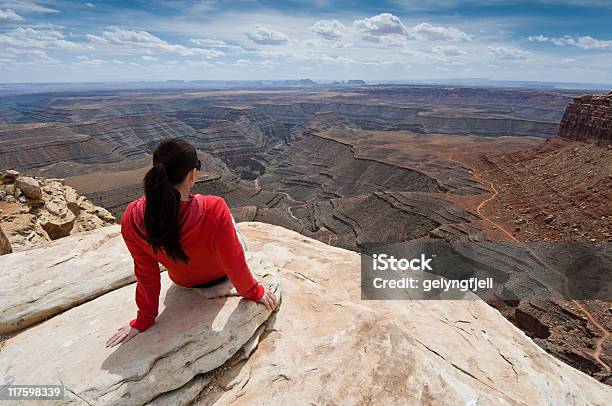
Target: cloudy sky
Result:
[540, 40]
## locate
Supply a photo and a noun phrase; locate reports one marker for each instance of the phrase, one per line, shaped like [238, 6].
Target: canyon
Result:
[356, 165]
[561, 191]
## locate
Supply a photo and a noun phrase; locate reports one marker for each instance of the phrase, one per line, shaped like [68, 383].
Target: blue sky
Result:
[539, 40]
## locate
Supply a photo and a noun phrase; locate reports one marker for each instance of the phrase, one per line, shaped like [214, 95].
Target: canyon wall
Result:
[588, 117]
[561, 191]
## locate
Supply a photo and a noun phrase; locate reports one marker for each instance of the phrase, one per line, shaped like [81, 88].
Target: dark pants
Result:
[211, 283]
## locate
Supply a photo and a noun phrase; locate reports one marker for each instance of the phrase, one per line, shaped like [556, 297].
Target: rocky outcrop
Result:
[588, 117]
[37, 210]
[324, 345]
[9, 176]
[29, 187]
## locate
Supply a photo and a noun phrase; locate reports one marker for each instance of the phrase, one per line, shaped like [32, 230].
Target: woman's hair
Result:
[172, 160]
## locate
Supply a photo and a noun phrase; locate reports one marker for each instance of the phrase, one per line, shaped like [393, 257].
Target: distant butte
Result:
[588, 117]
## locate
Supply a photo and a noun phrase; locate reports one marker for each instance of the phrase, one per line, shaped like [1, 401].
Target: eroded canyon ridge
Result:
[354, 165]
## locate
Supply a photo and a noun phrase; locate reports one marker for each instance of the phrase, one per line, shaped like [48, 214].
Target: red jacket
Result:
[208, 238]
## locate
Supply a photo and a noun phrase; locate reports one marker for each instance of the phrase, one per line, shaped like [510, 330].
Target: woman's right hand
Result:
[269, 300]
[123, 334]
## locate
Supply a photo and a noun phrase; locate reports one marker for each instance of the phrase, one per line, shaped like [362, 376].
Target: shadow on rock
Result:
[188, 317]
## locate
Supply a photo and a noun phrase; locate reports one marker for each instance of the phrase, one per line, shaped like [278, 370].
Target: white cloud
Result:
[198, 7]
[379, 25]
[331, 30]
[388, 29]
[118, 35]
[384, 63]
[338, 60]
[27, 6]
[447, 50]
[197, 63]
[428, 32]
[207, 42]
[149, 58]
[562, 41]
[92, 62]
[510, 54]
[31, 38]
[265, 36]
[29, 56]
[537, 38]
[9, 15]
[323, 43]
[391, 40]
[217, 44]
[267, 64]
[414, 53]
[584, 42]
[311, 43]
[140, 39]
[248, 63]
[270, 54]
[302, 55]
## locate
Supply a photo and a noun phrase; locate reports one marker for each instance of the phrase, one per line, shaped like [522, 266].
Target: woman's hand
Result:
[269, 300]
[123, 334]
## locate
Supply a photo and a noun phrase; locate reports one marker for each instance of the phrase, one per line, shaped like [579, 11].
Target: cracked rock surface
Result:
[39, 283]
[197, 331]
[329, 347]
[323, 346]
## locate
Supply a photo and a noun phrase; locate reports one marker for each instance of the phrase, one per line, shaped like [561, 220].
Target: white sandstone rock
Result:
[330, 347]
[42, 282]
[324, 346]
[197, 331]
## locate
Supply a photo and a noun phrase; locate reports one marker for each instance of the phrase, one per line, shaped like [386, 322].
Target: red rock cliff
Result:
[588, 117]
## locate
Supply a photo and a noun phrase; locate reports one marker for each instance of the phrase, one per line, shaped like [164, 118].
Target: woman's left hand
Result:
[123, 334]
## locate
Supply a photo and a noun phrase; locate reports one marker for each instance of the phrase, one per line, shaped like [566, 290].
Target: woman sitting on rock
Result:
[193, 236]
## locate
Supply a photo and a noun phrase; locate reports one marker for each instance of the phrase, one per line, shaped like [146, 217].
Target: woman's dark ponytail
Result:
[172, 161]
